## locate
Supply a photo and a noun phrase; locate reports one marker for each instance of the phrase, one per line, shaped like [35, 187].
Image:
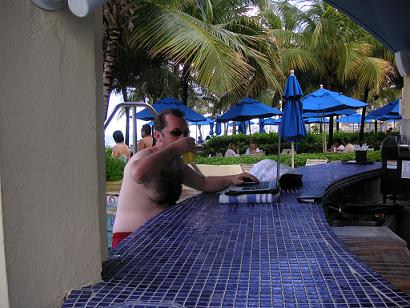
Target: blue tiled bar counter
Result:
[204, 254]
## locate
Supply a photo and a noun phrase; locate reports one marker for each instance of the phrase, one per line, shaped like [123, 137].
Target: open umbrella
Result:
[271, 121]
[171, 103]
[248, 108]
[323, 101]
[390, 109]
[353, 118]
[218, 127]
[207, 121]
[310, 114]
[316, 120]
[292, 127]
[329, 103]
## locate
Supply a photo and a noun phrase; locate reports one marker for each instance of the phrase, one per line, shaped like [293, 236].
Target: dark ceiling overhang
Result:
[387, 20]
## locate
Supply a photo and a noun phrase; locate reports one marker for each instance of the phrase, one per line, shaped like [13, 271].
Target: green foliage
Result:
[114, 167]
[300, 159]
[268, 142]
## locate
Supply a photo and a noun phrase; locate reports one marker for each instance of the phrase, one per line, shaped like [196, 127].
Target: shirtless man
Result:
[153, 176]
[120, 149]
[147, 140]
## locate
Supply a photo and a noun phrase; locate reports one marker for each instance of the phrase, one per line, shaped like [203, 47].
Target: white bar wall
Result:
[52, 222]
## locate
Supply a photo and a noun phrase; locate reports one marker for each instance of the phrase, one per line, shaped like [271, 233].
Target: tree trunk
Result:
[111, 15]
[185, 83]
[109, 62]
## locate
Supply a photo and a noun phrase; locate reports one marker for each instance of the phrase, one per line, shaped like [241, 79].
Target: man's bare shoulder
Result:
[143, 153]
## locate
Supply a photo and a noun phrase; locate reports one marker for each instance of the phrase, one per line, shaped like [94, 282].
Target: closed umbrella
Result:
[292, 127]
[218, 127]
[242, 126]
[262, 125]
[211, 128]
[171, 103]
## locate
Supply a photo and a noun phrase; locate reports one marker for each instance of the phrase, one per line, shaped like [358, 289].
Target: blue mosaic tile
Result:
[204, 254]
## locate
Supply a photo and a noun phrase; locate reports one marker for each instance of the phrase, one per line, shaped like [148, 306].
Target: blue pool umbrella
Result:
[323, 101]
[329, 103]
[242, 128]
[205, 122]
[327, 114]
[390, 109]
[316, 120]
[168, 103]
[247, 123]
[211, 127]
[218, 127]
[353, 118]
[248, 108]
[271, 121]
[292, 127]
[262, 125]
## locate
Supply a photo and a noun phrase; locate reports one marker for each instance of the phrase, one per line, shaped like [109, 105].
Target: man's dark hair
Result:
[118, 136]
[146, 129]
[159, 121]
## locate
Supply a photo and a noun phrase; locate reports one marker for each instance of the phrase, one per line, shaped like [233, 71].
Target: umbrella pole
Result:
[292, 149]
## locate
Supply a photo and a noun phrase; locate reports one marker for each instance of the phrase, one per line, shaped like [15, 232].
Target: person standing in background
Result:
[147, 140]
[120, 149]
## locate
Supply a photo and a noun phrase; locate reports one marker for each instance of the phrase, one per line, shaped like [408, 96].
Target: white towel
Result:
[249, 198]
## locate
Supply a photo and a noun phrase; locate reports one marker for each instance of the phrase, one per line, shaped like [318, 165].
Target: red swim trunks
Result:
[118, 237]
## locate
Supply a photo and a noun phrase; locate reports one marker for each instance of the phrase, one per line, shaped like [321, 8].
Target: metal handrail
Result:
[129, 104]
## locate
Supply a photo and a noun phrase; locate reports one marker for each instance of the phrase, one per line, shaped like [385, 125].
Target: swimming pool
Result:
[111, 207]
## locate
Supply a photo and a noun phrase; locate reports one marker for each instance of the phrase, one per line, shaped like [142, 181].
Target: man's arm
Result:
[213, 183]
[149, 166]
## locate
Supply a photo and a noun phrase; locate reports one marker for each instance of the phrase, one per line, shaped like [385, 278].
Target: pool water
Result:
[112, 200]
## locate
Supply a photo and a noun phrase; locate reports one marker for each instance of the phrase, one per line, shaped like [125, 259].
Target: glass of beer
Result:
[188, 157]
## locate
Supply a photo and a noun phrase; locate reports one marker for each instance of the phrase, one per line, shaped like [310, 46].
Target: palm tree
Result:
[115, 21]
[214, 50]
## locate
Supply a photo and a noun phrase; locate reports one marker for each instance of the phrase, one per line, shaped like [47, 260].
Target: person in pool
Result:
[120, 149]
[153, 176]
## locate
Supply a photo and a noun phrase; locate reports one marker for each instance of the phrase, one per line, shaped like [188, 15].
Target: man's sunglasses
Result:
[177, 133]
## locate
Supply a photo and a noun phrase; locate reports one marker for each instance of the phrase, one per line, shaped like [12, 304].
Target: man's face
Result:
[174, 129]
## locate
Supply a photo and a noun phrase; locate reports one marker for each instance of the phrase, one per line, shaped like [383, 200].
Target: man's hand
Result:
[239, 179]
[183, 145]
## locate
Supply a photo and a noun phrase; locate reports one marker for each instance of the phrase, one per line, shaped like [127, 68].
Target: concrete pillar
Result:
[52, 232]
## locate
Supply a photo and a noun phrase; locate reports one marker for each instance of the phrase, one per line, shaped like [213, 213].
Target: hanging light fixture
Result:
[79, 8]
